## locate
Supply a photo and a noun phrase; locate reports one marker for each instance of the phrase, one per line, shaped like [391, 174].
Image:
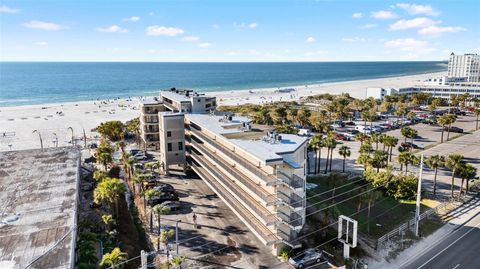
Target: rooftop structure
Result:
[38, 190]
[173, 100]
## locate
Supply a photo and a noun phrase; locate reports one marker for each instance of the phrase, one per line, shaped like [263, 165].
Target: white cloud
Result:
[357, 15]
[243, 25]
[415, 9]
[232, 53]
[205, 45]
[132, 19]
[368, 26]
[317, 52]
[353, 39]
[42, 25]
[41, 43]
[437, 30]
[191, 38]
[155, 30]
[310, 39]
[111, 29]
[5, 9]
[151, 13]
[215, 26]
[254, 52]
[383, 15]
[406, 44]
[413, 23]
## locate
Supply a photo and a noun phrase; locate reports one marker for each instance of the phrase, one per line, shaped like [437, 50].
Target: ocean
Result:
[25, 83]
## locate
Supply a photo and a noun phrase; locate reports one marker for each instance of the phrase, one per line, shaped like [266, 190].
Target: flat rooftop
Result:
[253, 141]
[150, 101]
[38, 190]
[178, 97]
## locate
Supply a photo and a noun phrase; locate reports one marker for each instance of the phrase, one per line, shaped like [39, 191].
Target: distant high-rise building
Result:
[464, 66]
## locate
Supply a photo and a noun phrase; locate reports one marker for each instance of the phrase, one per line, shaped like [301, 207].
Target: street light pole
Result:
[419, 191]
[176, 233]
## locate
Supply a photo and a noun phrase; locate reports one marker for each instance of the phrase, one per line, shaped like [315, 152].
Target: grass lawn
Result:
[386, 213]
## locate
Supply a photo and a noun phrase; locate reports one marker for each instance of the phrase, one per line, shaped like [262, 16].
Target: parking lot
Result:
[429, 137]
[220, 239]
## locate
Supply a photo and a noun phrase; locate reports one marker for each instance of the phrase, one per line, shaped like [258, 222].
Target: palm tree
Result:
[477, 114]
[138, 179]
[100, 175]
[378, 159]
[451, 119]
[111, 130]
[376, 139]
[390, 142]
[121, 146]
[406, 158]
[105, 158]
[364, 159]
[467, 172]
[406, 133]
[362, 138]
[113, 259]
[443, 120]
[160, 210]
[177, 261]
[454, 162]
[344, 152]
[434, 162]
[147, 195]
[330, 144]
[165, 236]
[108, 221]
[317, 143]
[109, 191]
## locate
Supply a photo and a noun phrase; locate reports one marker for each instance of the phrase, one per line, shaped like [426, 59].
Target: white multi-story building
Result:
[380, 93]
[258, 173]
[464, 66]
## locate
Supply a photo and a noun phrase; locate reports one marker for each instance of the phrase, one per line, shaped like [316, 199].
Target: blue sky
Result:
[231, 30]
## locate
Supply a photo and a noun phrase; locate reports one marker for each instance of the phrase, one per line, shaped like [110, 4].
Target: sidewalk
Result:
[455, 219]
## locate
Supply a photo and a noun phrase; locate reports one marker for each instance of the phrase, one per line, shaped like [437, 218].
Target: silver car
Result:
[309, 257]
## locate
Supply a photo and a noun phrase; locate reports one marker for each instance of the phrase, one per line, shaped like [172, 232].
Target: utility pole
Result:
[176, 234]
[419, 193]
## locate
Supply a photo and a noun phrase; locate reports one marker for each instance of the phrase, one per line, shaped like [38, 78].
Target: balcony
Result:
[268, 217]
[150, 130]
[292, 200]
[295, 182]
[268, 198]
[293, 219]
[148, 111]
[289, 238]
[248, 218]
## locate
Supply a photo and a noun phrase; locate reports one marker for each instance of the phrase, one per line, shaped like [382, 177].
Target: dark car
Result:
[163, 197]
[350, 123]
[173, 205]
[454, 129]
[408, 145]
[165, 188]
[309, 257]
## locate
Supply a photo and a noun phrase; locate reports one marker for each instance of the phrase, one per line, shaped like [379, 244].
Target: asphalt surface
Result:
[457, 250]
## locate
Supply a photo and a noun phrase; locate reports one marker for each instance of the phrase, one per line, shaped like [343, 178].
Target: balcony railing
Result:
[293, 219]
[150, 111]
[292, 181]
[265, 196]
[234, 156]
[289, 238]
[247, 217]
[255, 206]
[293, 200]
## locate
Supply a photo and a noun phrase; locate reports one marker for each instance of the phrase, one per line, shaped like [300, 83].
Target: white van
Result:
[304, 132]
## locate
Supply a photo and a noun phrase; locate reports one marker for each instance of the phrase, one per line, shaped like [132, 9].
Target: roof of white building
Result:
[38, 190]
[262, 148]
[175, 96]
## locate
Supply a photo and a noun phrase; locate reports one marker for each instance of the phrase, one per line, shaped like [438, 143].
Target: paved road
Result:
[457, 250]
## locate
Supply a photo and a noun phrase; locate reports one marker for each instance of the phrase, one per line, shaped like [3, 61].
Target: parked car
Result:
[304, 132]
[309, 257]
[349, 136]
[408, 145]
[454, 129]
[163, 197]
[173, 205]
[140, 156]
[134, 151]
[165, 188]
[350, 123]
[339, 136]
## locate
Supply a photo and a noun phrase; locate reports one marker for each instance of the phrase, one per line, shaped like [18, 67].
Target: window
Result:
[169, 147]
[180, 146]
[169, 134]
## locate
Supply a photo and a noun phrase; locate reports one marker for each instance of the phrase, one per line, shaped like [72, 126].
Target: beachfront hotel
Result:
[463, 76]
[259, 174]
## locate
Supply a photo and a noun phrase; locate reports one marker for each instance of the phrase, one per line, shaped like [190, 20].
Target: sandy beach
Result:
[52, 121]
